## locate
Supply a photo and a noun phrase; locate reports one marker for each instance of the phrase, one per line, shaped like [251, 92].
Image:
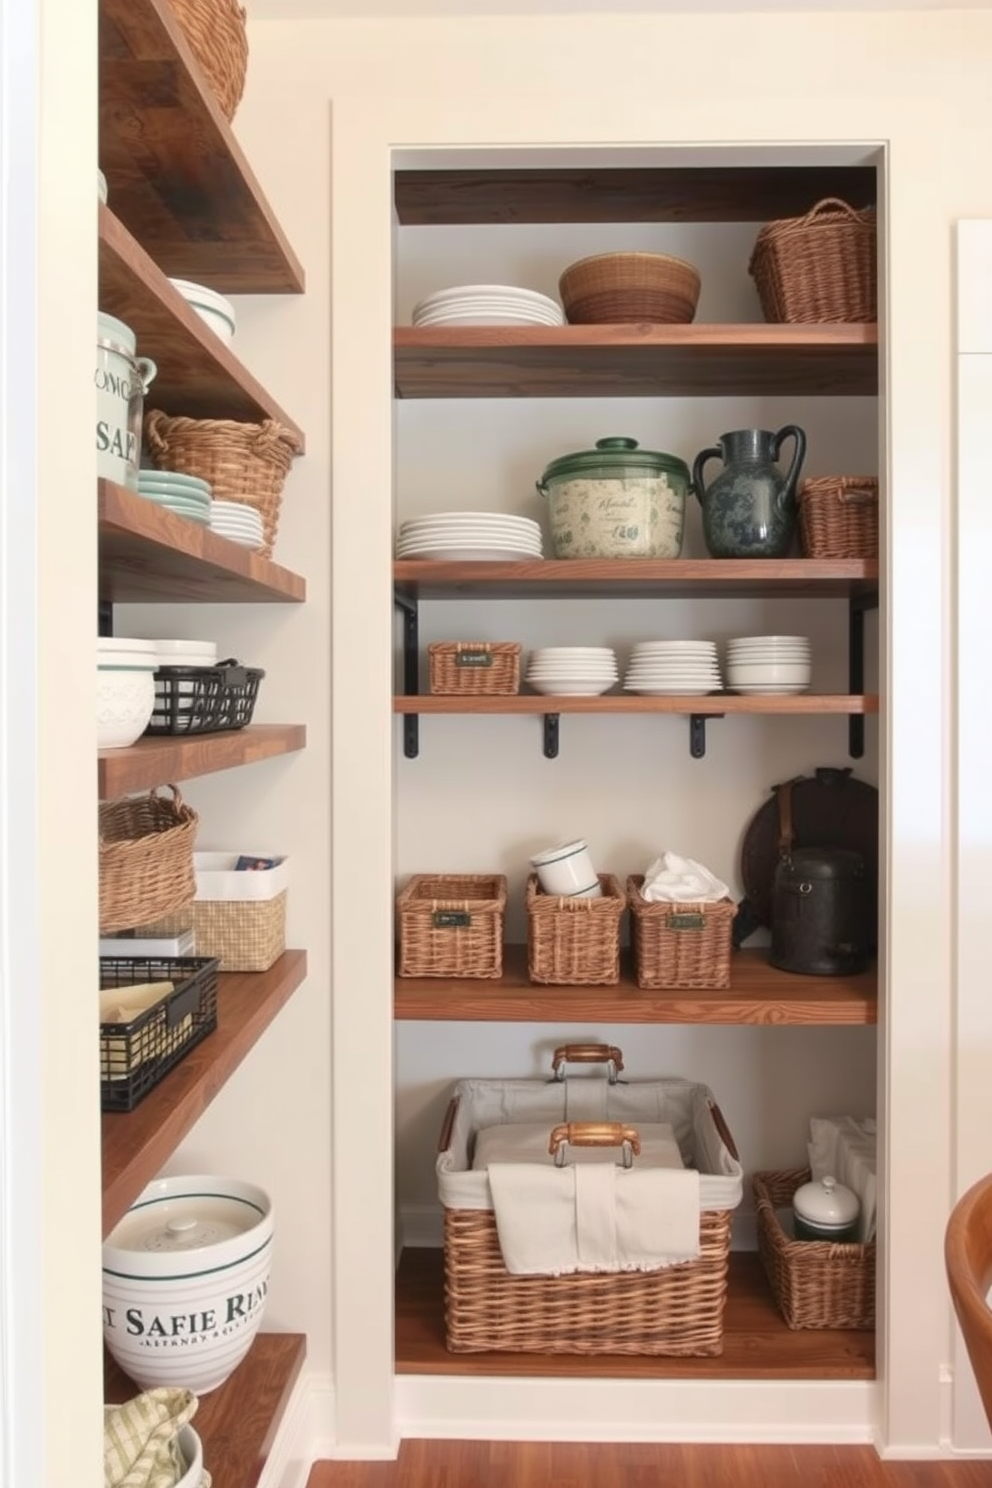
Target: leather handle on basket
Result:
[594, 1134]
[444, 1140]
[724, 1131]
[586, 1054]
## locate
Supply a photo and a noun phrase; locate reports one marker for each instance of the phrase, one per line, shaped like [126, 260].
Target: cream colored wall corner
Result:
[913, 82]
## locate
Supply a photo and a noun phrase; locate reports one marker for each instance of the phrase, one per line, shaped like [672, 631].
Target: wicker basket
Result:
[817, 268]
[146, 859]
[838, 516]
[680, 945]
[475, 668]
[218, 39]
[574, 940]
[816, 1283]
[239, 916]
[616, 288]
[247, 463]
[451, 925]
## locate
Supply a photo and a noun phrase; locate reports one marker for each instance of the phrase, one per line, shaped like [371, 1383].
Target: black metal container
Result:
[821, 914]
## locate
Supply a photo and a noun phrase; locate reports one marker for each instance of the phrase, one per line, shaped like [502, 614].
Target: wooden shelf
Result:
[758, 994]
[158, 759]
[236, 1422]
[756, 1342]
[177, 176]
[136, 1143]
[149, 555]
[639, 578]
[198, 374]
[713, 705]
[635, 361]
[433, 198]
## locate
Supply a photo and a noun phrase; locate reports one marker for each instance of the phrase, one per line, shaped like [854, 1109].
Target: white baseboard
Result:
[305, 1434]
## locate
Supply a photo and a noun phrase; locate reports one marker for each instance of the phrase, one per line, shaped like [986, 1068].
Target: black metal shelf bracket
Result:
[856, 607]
[551, 722]
[411, 670]
[697, 733]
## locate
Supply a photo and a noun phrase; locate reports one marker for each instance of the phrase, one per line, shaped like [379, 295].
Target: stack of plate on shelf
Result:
[186, 495]
[769, 664]
[572, 671]
[241, 524]
[211, 307]
[487, 305]
[466, 535]
[185, 653]
[673, 669]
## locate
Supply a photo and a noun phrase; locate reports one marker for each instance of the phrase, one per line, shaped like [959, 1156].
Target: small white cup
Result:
[567, 869]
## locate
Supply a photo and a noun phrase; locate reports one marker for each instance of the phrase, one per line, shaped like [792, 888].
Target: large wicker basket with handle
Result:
[817, 268]
[146, 858]
[218, 39]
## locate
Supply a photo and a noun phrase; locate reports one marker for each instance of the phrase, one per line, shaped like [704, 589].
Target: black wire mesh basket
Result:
[204, 700]
[137, 1051]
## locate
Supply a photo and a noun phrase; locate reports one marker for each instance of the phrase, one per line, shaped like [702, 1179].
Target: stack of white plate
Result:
[673, 669]
[487, 305]
[769, 664]
[465, 535]
[186, 495]
[239, 523]
[211, 307]
[185, 653]
[572, 671]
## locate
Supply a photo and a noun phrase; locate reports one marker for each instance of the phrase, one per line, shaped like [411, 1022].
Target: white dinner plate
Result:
[474, 555]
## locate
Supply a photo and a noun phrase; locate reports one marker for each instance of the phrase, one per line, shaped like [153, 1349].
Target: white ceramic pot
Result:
[185, 1281]
[567, 870]
[125, 690]
[616, 501]
[121, 379]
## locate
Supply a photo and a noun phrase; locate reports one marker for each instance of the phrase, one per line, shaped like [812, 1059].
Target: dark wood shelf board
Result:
[237, 1422]
[756, 1343]
[198, 373]
[639, 578]
[428, 198]
[635, 361]
[178, 179]
[714, 705]
[148, 555]
[157, 759]
[758, 994]
[136, 1143]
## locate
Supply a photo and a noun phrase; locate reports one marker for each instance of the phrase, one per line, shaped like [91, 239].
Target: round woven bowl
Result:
[613, 288]
[215, 31]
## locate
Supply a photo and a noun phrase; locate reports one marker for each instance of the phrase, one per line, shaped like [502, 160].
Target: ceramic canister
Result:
[121, 379]
[616, 501]
[826, 1210]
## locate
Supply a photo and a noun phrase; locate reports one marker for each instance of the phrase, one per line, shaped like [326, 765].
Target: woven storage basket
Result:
[821, 267]
[146, 859]
[218, 39]
[816, 1283]
[451, 925]
[838, 516]
[244, 935]
[612, 288]
[475, 668]
[680, 945]
[246, 463]
[573, 940]
[677, 1310]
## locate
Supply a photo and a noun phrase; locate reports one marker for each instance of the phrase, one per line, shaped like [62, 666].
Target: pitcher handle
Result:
[698, 465]
[787, 495]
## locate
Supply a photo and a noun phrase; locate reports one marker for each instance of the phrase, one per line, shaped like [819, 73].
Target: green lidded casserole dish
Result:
[616, 501]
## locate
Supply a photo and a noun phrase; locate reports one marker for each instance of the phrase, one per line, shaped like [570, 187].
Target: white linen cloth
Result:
[844, 1148]
[674, 880]
[527, 1142]
[594, 1217]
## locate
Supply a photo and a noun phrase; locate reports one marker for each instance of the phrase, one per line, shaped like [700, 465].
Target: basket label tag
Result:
[452, 919]
[686, 922]
[473, 659]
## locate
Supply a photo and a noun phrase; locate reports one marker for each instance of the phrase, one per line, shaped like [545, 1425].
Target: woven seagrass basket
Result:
[818, 268]
[244, 934]
[680, 945]
[838, 516]
[218, 39]
[816, 1283]
[146, 858]
[616, 288]
[451, 925]
[574, 940]
[474, 668]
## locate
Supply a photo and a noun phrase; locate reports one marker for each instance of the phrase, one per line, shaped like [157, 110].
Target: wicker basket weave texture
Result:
[244, 934]
[146, 859]
[838, 516]
[474, 668]
[573, 940]
[451, 925]
[218, 39]
[617, 288]
[816, 1283]
[818, 268]
[680, 945]
[243, 462]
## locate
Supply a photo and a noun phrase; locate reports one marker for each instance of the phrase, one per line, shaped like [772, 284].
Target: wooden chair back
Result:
[968, 1258]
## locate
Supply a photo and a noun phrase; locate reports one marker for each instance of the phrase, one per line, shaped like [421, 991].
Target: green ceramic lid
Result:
[617, 457]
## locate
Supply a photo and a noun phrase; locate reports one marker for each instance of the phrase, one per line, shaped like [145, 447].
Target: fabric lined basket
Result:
[474, 668]
[574, 940]
[818, 268]
[217, 36]
[146, 858]
[451, 925]
[838, 516]
[816, 1283]
[238, 915]
[680, 945]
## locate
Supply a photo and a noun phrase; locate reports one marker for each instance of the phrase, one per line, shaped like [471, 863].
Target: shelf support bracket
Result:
[697, 733]
[856, 607]
[411, 670]
[551, 722]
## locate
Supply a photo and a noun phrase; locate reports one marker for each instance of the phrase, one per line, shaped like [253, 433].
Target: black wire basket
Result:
[204, 700]
[135, 1054]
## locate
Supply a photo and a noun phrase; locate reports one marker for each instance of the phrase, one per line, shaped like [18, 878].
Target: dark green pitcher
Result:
[749, 509]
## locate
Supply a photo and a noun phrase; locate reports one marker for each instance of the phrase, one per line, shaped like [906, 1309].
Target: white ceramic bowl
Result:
[192, 1454]
[572, 687]
[567, 869]
[185, 1280]
[125, 690]
[769, 672]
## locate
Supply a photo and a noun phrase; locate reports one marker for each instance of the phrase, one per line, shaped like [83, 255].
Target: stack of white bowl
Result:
[211, 307]
[487, 305]
[469, 535]
[186, 495]
[238, 523]
[572, 671]
[125, 689]
[673, 669]
[769, 664]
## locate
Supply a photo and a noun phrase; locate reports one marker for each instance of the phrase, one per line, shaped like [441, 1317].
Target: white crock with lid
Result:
[824, 1209]
[121, 379]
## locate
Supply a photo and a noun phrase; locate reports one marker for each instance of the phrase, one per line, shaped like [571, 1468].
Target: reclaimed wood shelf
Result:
[198, 374]
[148, 555]
[757, 1344]
[157, 759]
[639, 578]
[177, 177]
[635, 361]
[136, 1143]
[237, 1422]
[758, 994]
[713, 705]
[729, 193]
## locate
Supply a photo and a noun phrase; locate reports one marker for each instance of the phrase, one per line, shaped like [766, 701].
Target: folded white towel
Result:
[674, 880]
[597, 1217]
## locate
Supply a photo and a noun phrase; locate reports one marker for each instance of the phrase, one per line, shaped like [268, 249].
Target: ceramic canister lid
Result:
[826, 1203]
[613, 458]
[116, 333]
[185, 1222]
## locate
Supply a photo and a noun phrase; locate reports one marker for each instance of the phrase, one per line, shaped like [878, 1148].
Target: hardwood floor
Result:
[441, 1464]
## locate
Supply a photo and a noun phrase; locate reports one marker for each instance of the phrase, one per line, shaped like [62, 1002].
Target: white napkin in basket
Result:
[674, 880]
